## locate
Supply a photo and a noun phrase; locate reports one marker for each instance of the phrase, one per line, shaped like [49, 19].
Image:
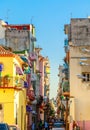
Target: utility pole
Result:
[31, 19]
[7, 14]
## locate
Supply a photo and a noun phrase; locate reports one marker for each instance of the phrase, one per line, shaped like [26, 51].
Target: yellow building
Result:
[12, 91]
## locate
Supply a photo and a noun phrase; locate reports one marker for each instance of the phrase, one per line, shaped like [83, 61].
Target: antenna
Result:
[71, 15]
[7, 14]
[31, 19]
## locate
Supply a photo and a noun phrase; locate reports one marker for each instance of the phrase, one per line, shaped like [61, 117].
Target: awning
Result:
[25, 59]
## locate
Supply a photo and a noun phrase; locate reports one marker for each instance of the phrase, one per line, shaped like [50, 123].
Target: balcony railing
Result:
[66, 86]
[33, 56]
[9, 81]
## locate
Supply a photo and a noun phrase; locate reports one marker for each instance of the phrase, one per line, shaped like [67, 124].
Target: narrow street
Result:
[44, 65]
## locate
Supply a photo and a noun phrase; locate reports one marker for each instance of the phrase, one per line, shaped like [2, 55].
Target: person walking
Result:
[40, 124]
[33, 126]
[46, 125]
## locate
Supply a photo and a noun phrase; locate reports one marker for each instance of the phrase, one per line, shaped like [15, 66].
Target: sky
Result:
[49, 18]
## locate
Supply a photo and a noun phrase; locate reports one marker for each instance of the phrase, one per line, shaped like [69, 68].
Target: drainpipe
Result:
[66, 113]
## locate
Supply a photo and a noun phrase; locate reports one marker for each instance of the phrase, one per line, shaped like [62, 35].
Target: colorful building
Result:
[32, 72]
[12, 91]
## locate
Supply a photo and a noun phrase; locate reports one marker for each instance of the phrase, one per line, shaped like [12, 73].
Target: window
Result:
[1, 107]
[87, 31]
[1, 113]
[86, 76]
[13, 29]
[24, 28]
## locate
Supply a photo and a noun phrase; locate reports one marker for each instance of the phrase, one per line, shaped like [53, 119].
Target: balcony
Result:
[66, 86]
[66, 46]
[12, 82]
[47, 88]
[33, 77]
[33, 39]
[33, 56]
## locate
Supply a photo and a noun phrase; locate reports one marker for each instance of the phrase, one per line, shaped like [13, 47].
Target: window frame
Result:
[87, 75]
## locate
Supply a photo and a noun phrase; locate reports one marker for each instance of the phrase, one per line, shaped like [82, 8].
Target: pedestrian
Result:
[33, 126]
[37, 125]
[46, 125]
[40, 124]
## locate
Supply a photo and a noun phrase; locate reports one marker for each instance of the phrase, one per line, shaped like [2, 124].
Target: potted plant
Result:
[6, 80]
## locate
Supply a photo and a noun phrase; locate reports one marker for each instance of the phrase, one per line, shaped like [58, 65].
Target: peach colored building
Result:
[79, 43]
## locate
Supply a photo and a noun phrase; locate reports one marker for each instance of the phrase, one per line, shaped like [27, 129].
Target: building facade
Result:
[78, 32]
[12, 91]
[30, 73]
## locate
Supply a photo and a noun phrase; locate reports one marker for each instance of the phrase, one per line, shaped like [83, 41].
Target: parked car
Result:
[4, 126]
[14, 127]
[58, 126]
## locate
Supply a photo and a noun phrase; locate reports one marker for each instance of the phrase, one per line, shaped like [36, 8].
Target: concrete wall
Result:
[12, 99]
[7, 101]
[79, 89]
[80, 31]
[2, 32]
